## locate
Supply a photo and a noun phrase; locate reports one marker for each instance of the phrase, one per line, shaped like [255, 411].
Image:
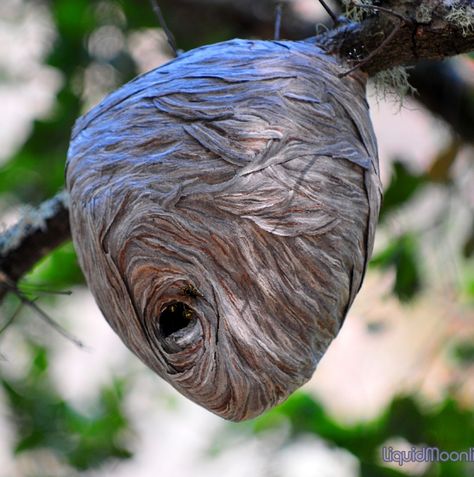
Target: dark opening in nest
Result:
[175, 317]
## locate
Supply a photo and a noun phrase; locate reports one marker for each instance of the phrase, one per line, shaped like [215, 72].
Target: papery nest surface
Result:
[223, 207]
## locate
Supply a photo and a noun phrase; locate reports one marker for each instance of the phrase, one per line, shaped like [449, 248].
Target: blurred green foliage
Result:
[402, 255]
[446, 426]
[403, 186]
[464, 353]
[43, 419]
[58, 270]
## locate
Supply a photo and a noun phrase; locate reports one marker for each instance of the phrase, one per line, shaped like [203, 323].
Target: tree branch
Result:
[439, 33]
[34, 236]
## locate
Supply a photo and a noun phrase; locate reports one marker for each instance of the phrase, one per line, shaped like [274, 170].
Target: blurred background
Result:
[400, 373]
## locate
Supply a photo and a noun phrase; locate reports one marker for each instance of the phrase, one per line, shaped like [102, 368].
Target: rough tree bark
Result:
[35, 235]
[415, 31]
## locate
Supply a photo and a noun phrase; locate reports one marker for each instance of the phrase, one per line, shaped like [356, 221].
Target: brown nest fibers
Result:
[223, 207]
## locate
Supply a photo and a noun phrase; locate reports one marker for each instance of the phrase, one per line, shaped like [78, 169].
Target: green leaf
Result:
[450, 427]
[402, 255]
[40, 362]
[404, 418]
[57, 271]
[464, 353]
[403, 186]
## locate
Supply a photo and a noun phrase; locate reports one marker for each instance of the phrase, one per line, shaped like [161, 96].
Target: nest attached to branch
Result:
[223, 207]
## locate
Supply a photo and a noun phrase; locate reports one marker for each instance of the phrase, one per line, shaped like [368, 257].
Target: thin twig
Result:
[11, 319]
[278, 11]
[6, 283]
[388, 11]
[161, 19]
[42, 289]
[45, 317]
[374, 52]
[329, 12]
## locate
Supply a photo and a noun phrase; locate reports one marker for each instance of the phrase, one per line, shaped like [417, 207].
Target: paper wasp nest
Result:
[223, 208]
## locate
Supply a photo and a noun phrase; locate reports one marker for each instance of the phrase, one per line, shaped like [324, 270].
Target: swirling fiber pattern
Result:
[223, 208]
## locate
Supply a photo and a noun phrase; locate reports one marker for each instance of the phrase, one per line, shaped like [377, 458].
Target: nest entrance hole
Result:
[175, 317]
